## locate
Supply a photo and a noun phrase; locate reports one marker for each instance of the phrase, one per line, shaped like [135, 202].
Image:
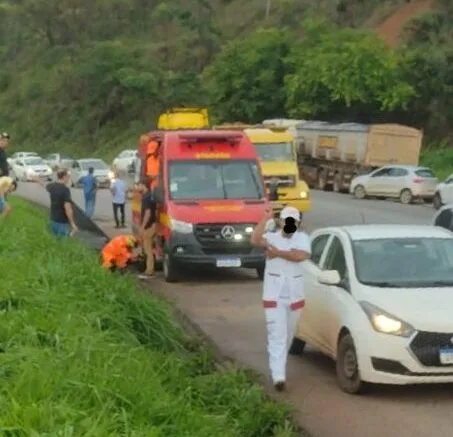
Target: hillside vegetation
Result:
[83, 353]
[91, 75]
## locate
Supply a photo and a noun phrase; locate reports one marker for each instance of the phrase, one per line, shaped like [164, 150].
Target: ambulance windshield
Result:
[215, 180]
[275, 152]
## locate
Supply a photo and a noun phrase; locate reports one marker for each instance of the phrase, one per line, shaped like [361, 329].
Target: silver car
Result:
[404, 182]
[102, 172]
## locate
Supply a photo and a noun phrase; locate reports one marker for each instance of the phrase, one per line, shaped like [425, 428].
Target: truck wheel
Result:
[359, 192]
[169, 268]
[322, 176]
[260, 272]
[437, 201]
[297, 347]
[406, 197]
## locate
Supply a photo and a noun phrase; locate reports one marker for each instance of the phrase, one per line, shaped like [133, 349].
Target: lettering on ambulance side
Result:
[219, 208]
[214, 155]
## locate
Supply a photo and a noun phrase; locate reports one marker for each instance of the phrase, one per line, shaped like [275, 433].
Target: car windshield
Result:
[215, 180]
[97, 164]
[34, 161]
[275, 152]
[405, 262]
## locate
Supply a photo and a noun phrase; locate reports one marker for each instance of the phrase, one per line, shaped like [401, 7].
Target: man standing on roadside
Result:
[62, 222]
[89, 191]
[148, 226]
[118, 190]
[4, 168]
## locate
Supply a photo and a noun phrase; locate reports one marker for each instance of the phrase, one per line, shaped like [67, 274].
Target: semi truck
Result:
[330, 155]
[277, 152]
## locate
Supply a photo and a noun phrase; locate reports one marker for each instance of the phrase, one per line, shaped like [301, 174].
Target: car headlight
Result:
[385, 323]
[180, 226]
[303, 195]
[30, 171]
[111, 175]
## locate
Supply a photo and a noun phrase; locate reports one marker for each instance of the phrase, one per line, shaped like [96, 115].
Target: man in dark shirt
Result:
[62, 222]
[4, 142]
[148, 225]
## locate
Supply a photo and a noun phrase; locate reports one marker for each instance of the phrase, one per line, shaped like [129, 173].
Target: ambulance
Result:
[210, 195]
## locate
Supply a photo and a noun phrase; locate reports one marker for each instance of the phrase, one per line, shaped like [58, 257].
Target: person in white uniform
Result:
[287, 247]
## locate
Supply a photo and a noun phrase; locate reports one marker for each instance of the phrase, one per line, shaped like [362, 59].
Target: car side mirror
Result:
[329, 277]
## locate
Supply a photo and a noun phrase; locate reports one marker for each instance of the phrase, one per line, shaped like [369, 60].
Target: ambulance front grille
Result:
[210, 235]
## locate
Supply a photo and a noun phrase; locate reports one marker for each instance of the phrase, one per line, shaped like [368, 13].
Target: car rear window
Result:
[424, 173]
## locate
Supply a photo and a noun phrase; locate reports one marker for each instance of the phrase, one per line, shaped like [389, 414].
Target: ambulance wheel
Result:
[260, 272]
[297, 347]
[169, 268]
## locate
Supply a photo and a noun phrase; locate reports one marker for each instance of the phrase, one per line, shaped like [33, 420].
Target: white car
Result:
[379, 301]
[444, 193]
[57, 160]
[403, 182]
[26, 169]
[125, 160]
[20, 155]
[102, 172]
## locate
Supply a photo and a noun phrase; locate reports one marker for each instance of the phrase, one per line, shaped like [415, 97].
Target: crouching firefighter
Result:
[118, 254]
[283, 288]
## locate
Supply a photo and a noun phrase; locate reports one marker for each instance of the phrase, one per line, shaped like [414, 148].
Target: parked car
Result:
[57, 160]
[26, 169]
[102, 172]
[20, 155]
[125, 160]
[405, 182]
[379, 302]
[444, 193]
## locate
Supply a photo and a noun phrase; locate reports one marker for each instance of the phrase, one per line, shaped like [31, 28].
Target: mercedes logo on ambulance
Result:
[227, 232]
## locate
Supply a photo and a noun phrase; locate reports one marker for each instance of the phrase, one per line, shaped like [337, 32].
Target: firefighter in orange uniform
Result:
[152, 163]
[118, 253]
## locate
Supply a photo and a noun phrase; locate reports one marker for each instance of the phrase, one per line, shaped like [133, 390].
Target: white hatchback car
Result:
[403, 182]
[380, 302]
[444, 193]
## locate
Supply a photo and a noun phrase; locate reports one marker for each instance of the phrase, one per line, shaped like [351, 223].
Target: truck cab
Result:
[277, 152]
[210, 196]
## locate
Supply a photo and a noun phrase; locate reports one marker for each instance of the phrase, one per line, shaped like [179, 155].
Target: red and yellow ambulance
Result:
[211, 195]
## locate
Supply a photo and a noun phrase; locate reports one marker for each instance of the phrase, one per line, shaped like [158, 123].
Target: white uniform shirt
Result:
[298, 241]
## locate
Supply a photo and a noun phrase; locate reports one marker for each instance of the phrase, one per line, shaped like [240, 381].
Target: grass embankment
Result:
[84, 354]
[439, 159]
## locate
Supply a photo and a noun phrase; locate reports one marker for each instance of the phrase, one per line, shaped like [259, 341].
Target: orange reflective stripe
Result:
[269, 304]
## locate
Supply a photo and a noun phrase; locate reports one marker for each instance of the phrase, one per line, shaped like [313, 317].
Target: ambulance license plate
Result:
[228, 262]
[446, 356]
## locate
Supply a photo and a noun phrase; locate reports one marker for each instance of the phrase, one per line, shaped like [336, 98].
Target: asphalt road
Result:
[226, 305]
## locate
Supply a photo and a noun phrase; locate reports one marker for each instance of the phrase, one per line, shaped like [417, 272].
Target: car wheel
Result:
[260, 272]
[406, 197]
[297, 346]
[359, 192]
[169, 268]
[437, 201]
[347, 367]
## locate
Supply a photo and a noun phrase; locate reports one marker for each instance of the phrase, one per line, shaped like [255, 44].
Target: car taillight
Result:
[417, 180]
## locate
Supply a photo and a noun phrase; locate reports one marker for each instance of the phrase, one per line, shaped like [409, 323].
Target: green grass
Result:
[83, 353]
[439, 159]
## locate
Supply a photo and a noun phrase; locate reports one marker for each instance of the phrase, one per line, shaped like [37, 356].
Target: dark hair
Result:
[90, 170]
[62, 173]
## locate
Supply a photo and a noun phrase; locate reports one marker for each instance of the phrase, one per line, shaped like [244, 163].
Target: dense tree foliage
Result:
[81, 74]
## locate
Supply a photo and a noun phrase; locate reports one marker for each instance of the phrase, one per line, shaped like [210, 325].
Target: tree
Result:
[246, 80]
[346, 72]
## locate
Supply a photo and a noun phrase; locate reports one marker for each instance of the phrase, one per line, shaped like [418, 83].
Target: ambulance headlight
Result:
[181, 227]
[303, 194]
[248, 229]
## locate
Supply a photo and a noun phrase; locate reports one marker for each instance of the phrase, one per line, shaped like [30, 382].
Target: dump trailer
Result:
[331, 155]
[184, 118]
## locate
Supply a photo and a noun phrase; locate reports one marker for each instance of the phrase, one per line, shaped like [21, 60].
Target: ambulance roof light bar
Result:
[191, 139]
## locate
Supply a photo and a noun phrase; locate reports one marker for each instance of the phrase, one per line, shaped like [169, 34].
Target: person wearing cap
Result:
[4, 143]
[287, 247]
[118, 253]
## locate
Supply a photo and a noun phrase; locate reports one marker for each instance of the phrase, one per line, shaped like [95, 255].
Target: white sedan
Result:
[26, 169]
[125, 160]
[380, 303]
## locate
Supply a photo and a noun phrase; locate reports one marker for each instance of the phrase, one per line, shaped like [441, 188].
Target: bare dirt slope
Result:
[391, 28]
